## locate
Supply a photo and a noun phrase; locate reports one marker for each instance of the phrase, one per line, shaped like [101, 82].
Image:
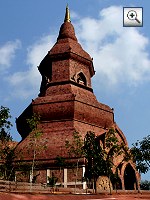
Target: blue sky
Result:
[28, 30]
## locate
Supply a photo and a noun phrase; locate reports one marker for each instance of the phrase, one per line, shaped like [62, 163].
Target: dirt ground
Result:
[8, 196]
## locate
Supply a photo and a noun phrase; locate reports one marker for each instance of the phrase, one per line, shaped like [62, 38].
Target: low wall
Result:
[37, 188]
[23, 187]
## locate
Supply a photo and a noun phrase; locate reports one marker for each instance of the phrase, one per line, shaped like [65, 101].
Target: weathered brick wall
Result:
[58, 173]
[74, 174]
[42, 176]
[22, 176]
[60, 71]
[77, 67]
[71, 175]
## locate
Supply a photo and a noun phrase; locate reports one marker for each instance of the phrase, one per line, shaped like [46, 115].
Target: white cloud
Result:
[28, 82]
[119, 53]
[7, 53]
[38, 51]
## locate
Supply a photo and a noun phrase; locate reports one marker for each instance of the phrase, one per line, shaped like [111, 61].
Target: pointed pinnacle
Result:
[67, 15]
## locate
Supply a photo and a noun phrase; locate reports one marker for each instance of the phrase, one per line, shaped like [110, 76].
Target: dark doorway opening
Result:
[129, 178]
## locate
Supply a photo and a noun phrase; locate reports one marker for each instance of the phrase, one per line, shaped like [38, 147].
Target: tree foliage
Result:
[7, 168]
[94, 155]
[75, 147]
[34, 147]
[5, 124]
[145, 185]
[6, 148]
[114, 148]
[99, 158]
[61, 163]
[52, 180]
[141, 154]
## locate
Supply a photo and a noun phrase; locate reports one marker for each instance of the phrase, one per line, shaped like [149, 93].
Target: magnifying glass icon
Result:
[132, 15]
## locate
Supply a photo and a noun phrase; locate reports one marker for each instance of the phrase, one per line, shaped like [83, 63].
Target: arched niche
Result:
[81, 79]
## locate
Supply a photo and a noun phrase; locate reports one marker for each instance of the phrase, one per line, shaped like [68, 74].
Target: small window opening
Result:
[81, 79]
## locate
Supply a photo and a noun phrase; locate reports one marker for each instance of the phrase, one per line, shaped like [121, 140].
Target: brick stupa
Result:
[66, 103]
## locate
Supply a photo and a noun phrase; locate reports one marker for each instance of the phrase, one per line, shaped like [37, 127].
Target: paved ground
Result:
[5, 196]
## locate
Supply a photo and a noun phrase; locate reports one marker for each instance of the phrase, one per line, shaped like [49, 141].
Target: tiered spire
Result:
[67, 15]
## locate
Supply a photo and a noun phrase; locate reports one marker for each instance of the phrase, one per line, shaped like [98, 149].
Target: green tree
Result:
[6, 146]
[113, 148]
[60, 162]
[75, 149]
[100, 158]
[34, 147]
[141, 154]
[52, 180]
[145, 185]
[94, 155]
[5, 124]
[7, 171]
